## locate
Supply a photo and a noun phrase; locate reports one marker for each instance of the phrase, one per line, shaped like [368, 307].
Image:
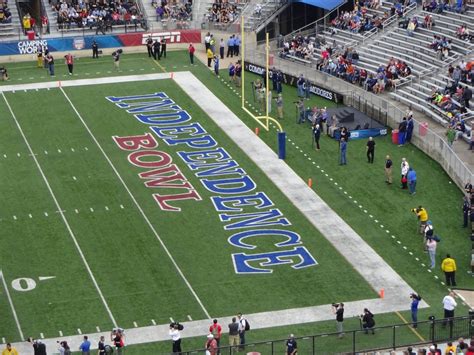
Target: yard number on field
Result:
[24, 284]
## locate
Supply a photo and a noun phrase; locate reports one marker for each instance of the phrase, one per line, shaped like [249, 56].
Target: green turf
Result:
[364, 182]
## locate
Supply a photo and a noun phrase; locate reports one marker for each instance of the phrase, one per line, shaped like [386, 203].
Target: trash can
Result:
[30, 35]
[423, 128]
[395, 136]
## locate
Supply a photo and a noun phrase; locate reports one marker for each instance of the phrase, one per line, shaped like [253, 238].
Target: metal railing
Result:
[354, 341]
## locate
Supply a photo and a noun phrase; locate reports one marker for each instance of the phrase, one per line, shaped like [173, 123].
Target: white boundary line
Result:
[11, 305]
[61, 212]
[137, 205]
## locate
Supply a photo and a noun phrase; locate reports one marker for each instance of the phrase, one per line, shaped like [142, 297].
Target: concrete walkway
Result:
[358, 253]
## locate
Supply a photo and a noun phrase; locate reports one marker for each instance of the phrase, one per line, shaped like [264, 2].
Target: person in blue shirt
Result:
[343, 150]
[411, 177]
[85, 346]
[300, 86]
[230, 47]
[415, 299]
[236, 46]
[216, 65]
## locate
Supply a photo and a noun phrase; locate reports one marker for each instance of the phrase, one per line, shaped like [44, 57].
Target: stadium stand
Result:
[9, 20]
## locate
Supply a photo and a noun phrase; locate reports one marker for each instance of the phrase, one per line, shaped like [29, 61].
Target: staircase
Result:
[52, 18]
[13, 29]
[253, 17]
[165, 23]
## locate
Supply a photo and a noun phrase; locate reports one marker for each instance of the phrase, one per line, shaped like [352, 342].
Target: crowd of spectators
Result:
[5, 14]
[464, 34]
[175, 11]
[454, 99]
[222, 11]
[97, 15]
[438, 6]
[460, 347]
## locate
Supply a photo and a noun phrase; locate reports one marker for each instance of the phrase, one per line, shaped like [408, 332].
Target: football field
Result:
[109, 221]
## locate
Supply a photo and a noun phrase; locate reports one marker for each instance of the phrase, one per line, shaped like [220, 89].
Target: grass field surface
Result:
[124, 255]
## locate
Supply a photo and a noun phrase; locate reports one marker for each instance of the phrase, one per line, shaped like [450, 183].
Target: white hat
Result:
[210, 336]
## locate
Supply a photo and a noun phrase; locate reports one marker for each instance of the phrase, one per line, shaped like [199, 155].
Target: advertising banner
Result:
[107, 41]
[291, 80]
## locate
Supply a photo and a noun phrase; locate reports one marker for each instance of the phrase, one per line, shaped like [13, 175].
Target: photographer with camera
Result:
[338, 310]
[118, 338]
[368, 321]
[422, 215]
[175, 334]
[299, 111]
[38, 347]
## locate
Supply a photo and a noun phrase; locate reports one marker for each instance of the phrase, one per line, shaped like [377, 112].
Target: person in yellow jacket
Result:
[422, 215]
[449, 268]
[9, 350]
[210, 55]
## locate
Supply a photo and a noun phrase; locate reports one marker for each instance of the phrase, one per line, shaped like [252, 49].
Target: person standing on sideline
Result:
[191, 51]
[343, 151]
[431, 244]
[338, 310]
[370, 150]
[156, 50]
[149, 46]
[242, 326]
[415, 299]
[465, 211]
[50, 61]
[9, 350]
[238, 73]
[39, 348]
[236, 45]
[411, 177]
[216, 330]
[95, 50]
[85, 346]
[300, 108]
[116, 57]
[39, 56]
[210, 55]
[117, 337]
[279, 105]
[234, 333]
[291, 346]
[211, 345]
[69, 59]
[402, 130]
[317, 135]
[163, 48]
[176, 339]
[388, 170]
[230, 47]
[410, 126]
[448, 265]
[449, 305]
[101, 346]
[231, 72]
[422, 215]
[222, 48]
[216, 65]
[300, 86]
[207, 40]
[404, 166]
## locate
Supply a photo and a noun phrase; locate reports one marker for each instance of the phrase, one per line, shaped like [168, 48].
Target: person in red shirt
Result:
[191, 51]
[216, 330]
[211, 345]
[70, 62]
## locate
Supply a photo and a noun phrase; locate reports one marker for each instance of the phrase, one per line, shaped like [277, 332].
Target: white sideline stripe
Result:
[84, 82]
[11, 305]
[136, 202]
[61, 212]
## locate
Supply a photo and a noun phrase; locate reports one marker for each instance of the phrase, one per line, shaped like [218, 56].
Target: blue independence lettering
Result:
[208, 161]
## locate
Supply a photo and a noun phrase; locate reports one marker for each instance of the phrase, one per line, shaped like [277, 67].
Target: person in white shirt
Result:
[449, 304]
[431, 247]
[242, 324]
[176, 338]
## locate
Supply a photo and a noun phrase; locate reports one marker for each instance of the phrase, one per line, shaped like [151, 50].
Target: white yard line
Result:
[7, 292]
[61, 212]
[140, 209]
